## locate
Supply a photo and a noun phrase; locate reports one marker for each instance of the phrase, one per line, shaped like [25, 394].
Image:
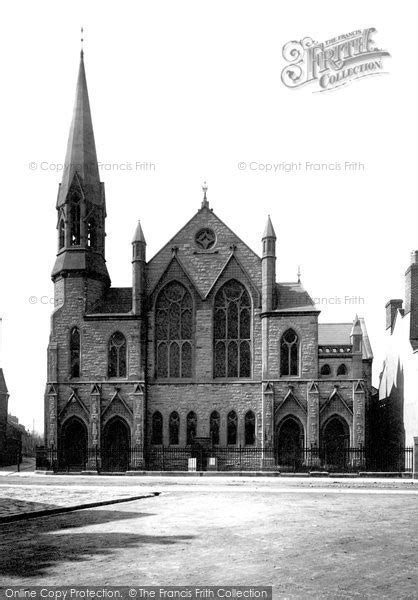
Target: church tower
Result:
[81, 204]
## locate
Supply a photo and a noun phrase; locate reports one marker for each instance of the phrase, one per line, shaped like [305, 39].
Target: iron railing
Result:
[217, 458]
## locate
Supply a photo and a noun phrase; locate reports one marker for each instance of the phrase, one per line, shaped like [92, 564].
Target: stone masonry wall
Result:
[94, 339]
[306, 326]
[203, 399]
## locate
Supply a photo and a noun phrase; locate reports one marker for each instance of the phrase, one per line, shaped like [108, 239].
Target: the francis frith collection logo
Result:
[332, 63]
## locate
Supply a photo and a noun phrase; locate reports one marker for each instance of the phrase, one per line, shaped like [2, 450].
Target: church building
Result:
[204, 348]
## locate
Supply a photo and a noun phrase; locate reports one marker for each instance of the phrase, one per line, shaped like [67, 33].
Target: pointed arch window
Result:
[157, 428]
[174, 428]
[249, 428]
[91, 233]
[289, 353]
[191, 427]
[214, 427]
[342, 370]
[325, 370]
[173, 331]
[61, 234]
[74, 352]
[75, 219]
[232, 428]
[232, 331]
[117, 355]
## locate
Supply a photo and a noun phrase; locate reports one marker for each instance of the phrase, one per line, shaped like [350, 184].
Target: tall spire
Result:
[81, 198]
[81, 155]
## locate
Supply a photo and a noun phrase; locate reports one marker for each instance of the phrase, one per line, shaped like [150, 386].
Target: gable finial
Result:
[82, 42]
[205, 202]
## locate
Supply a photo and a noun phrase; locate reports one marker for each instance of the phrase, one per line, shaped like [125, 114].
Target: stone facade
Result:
[105, 399]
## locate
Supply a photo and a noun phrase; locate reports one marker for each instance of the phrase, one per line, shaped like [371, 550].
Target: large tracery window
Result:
[117, 355]
[289, 353]
[173, 331]
[74, 352]
[232, 331]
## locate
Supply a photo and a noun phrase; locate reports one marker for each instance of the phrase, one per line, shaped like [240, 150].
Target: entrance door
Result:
[115, 446]
[73, 447]
[335, 442]
[289, 443]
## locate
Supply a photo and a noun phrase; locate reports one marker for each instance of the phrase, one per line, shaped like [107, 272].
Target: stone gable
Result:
[204, 266]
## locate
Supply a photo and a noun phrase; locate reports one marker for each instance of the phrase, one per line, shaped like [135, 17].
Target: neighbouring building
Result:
[10, 432]
[4, 400]
[26, 439]
[398, 389]
[204, 347]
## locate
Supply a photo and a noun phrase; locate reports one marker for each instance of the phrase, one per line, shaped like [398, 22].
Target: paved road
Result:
[307, 542]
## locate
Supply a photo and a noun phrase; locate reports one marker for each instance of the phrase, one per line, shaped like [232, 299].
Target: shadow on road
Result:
[32, 548]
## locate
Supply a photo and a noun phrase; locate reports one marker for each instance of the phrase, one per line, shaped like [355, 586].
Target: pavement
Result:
[27, 492]
[27, 465]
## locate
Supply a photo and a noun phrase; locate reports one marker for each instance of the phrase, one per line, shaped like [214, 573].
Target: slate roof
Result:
[293, 297]
[338, 334]
[334, 334]
[117, 300]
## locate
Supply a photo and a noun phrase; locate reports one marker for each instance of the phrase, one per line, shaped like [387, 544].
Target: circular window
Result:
[205, 238]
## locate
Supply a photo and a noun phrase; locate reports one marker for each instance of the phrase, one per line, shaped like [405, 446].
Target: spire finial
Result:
[82, 42]
[205, 202]
[299, 273]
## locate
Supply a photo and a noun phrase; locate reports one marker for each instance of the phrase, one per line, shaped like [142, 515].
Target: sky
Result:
[194, 88]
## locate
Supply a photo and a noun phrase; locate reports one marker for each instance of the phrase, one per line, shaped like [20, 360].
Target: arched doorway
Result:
[289, 443]
[73, 445]
[335, 441]
[115, 445]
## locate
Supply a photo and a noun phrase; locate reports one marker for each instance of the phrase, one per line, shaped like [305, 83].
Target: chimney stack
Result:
[411, 295]
[392, 308]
